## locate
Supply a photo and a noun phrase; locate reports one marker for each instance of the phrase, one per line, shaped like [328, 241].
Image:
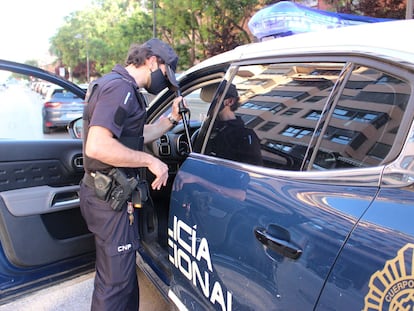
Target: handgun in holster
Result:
[122, 190]
[114, 187]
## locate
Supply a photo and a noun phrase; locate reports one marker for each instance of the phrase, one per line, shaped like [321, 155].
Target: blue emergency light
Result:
[287, 18]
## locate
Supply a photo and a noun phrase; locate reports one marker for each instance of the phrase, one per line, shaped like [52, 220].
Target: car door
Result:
[43, 237]
[244, 237]
[374, 270]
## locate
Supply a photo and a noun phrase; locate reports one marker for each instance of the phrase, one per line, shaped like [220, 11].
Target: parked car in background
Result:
[60, 107]
[324, 223]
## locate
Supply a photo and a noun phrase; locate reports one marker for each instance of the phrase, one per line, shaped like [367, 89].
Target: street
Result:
[21, 110]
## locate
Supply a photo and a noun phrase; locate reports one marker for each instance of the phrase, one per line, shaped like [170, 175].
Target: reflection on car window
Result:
[275, 101]
[197, 105]
[365, 121]
[230, 137]
[284, 103]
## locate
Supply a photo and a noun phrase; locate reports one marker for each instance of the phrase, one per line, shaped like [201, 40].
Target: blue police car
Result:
[322, 222]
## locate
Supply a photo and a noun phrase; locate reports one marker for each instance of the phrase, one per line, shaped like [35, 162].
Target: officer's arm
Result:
[102, 146]
[154, 131]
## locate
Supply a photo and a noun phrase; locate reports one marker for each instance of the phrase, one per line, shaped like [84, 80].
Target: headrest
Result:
[208, 91]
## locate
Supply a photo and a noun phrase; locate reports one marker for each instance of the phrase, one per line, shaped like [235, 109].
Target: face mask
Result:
[158, 82]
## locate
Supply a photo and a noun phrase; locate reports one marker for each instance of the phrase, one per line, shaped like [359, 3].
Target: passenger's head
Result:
[231, 99]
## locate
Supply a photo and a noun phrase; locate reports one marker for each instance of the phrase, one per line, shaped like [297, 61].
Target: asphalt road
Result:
[21, 110]
[75, 295]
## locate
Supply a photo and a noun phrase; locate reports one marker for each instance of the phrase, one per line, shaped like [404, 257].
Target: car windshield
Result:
[63, 94]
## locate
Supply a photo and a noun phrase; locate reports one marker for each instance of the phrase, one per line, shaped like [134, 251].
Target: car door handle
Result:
[281, 246]
[64, 198]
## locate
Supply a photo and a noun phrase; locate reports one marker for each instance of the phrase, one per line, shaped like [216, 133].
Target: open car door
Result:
[43, 237]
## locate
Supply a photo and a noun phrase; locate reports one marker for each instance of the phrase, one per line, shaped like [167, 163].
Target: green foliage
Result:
[375, 8]
[203, 28]
[32, 62]
[197, 29]
[101, 34]
[384, 9]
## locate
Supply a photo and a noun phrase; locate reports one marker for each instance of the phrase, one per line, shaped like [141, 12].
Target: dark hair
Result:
[137, 55]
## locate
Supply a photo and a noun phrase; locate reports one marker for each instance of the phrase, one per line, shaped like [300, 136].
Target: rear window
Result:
[63, 94]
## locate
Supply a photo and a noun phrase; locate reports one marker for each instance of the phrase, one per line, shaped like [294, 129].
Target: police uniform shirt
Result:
[117, 107]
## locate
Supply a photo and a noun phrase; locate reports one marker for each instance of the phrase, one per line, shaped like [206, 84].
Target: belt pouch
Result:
[103, 185]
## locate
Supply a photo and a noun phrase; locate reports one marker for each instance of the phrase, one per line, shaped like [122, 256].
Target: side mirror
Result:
[75, 128]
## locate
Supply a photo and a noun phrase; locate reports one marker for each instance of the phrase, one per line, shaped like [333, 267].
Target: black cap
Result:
[168, 55]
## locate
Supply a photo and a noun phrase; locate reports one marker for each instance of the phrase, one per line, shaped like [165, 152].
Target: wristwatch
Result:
[173, 121]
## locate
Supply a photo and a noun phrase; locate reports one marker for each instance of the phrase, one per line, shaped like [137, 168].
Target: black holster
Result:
[114, 187]
[120, 184]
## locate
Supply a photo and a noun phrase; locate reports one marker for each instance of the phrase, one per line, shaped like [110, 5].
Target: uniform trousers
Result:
[116, 241]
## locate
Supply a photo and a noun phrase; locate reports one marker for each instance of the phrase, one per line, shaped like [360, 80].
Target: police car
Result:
[324, 223]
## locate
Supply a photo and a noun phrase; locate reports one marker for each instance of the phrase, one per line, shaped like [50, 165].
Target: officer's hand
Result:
[160, 170]
[175, 112]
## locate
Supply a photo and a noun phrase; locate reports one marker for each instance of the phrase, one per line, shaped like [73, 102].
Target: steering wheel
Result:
[194, 136]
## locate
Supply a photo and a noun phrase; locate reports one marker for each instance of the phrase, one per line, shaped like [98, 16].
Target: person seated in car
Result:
[231, 139]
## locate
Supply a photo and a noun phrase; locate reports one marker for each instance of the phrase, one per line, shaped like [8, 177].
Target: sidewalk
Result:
[71, 295]
[75, 295]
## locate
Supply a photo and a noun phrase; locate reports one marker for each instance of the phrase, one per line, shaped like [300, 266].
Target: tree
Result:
[383, 8]
[32, 62]
[227, 27]
[375, 8]
[197, 29]
[99, 37]
[204, 27]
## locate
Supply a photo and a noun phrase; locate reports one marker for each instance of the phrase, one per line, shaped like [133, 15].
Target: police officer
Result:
[115, 131]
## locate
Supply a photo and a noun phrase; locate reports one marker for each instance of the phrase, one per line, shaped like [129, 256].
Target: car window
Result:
[197, 106]
[365, 121]
[276, 101]
[295, 109]
[60, 93]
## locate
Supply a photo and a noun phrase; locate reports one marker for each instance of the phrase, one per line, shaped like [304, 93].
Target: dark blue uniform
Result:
[116, 105]
[232, 140]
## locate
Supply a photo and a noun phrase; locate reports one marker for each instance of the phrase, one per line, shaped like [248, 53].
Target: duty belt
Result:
[88, 178]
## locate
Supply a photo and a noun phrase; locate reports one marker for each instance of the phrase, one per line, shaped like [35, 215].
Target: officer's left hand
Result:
[175, 112]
